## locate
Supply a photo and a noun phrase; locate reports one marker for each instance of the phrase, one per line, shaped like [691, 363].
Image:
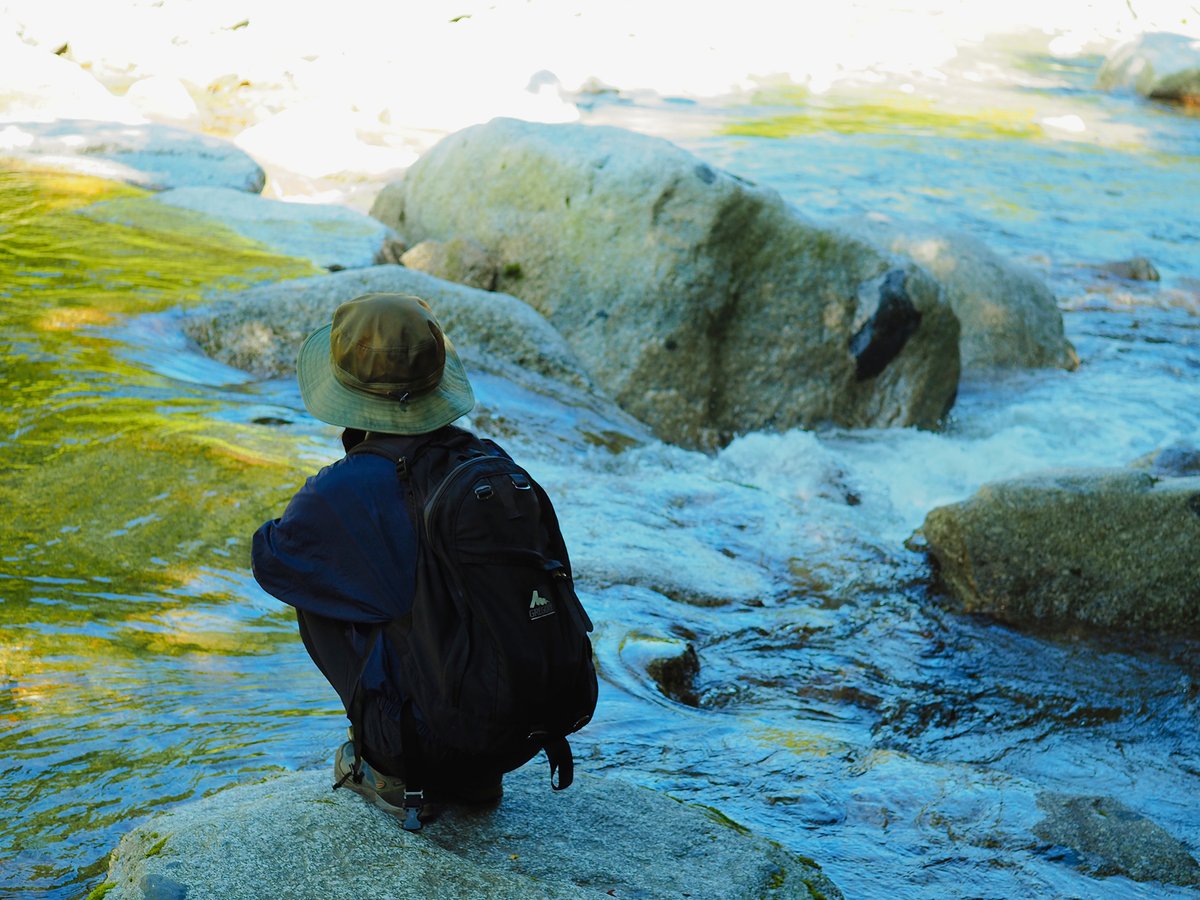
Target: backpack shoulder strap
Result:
[405, 449]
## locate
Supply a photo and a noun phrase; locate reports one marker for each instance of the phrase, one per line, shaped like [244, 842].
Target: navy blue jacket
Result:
[344, 555]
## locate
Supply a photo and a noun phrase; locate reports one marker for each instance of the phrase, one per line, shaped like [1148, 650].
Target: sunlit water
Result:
[842, 709]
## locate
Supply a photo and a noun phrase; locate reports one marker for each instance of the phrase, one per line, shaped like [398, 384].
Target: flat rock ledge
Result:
[293, 837]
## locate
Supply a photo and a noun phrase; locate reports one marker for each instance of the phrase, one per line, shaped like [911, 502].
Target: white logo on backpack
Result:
[540, 607]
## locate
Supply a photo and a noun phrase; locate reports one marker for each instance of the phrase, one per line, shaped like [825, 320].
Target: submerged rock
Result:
[1137, 268]
[1113, 839]
[1008, 316]
[1178, 459]
[1158, 65]
[149, 155]
[1107, 547]
[705, 305]
[671, 663]
[293, 837]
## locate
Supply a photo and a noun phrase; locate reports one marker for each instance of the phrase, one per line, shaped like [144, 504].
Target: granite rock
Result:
[1112, 839]
[706, 306]
[1008, 316]
[292, 837]
[457, 259]
[1113, 548]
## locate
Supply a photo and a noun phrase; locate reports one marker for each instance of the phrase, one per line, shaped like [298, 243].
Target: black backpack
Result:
[494, 655]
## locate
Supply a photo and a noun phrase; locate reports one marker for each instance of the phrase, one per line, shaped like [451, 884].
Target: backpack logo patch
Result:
[540, 607]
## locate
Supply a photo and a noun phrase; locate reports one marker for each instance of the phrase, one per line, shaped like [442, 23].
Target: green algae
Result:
[909, 117]
[52, 253]
[121, 487]
[129, 500]
[715, 815]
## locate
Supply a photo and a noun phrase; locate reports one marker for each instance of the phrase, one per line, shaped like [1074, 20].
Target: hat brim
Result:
[331, 401]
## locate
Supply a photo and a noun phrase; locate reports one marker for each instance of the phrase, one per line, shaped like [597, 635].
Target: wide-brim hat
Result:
[383, 364]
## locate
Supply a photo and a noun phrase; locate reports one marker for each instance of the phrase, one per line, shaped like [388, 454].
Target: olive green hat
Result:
[383, 365]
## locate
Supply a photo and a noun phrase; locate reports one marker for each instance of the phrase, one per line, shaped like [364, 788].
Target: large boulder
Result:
[705, 305]
[1116, 548]
[1008, 316]
[1158, 65]
[291, 837]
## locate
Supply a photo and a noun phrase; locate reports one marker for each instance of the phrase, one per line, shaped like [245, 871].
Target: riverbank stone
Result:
[332, 237]
[1159, 65]
[1008, 316]
[148, 154]
[1112, 548]
[1112, 839]
[294, 837]
[706, 306]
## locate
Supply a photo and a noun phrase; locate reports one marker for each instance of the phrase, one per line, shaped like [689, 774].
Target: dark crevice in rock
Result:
[882, 338]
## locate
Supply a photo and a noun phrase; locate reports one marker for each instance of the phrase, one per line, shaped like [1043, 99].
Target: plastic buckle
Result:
[413, 801]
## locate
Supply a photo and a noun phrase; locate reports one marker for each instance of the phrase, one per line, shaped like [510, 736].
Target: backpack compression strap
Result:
[562, 763]
[414, 768]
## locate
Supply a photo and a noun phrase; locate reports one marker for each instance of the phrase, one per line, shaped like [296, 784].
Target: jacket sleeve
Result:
[343, 549]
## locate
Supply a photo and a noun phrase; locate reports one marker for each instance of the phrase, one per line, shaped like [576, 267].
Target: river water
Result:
[841, 707]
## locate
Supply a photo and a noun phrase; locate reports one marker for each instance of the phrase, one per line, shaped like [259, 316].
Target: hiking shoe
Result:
[385, 791]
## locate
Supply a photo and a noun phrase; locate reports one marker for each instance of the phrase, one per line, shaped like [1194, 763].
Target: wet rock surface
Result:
[1112, 839]
[293, 837]
[1177, 460]
[671, 663]
[705, 305]
[1113, 548]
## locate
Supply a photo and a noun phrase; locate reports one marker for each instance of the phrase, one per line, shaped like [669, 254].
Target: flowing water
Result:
[841, 707]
